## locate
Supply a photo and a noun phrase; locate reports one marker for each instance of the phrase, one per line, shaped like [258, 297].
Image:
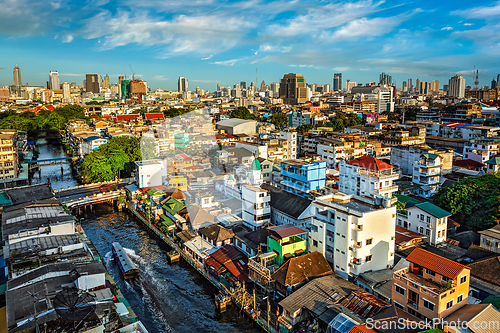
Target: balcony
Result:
[390, 174]
[422, 285]
[413, 304]
[386, 189]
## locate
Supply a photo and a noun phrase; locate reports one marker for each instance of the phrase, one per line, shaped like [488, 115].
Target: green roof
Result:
[173, 206]
[155, 191]
[4, 199]
[166, 220]
[404, 199]
[494, 160]
[256, 165]
[430, 156]
[493, 300]
[433, 210]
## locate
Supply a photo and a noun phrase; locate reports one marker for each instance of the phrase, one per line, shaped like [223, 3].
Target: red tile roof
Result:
[451, 224]
[127, 117]
[370, 163]
[285, 230]
[438, 264]
[469, 164]
[153, 115]
[232, 259]
[185, 157]
[403, 235]
[362, 329]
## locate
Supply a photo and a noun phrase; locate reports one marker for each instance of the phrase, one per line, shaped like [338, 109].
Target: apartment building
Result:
[481, 149]
[335, 150]
[424, 218]
[91, 143]
[355, 235]
[490, 239]
[8, 154]
[431, 286]
[367, 176]
[255, 205]
[301, 177]
[404, 157]
[427, 172]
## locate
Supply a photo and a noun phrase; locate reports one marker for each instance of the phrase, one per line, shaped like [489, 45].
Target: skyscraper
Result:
[404, 86]
[17, 76]
[66, 89]
[410, 85]
[54, 80]
[293, 89]
[385, 79]
[417, 86]
[92, 83]
[263, 86]
[498, 79]
[243, 85]
[434, 86]
[337, 82]
[105, 83]
[182, 84]
[493, 84]
[456, 87]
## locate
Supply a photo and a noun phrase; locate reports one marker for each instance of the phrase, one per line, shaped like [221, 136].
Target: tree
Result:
[279, 120]
[304, 128]
[391, 116]
[338, 124]
[241, 113]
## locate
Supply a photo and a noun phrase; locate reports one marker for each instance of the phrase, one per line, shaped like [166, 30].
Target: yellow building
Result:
[177, 181]
[431, 286]
[8, 154]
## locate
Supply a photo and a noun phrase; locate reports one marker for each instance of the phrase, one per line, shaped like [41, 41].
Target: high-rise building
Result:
[493, 84]
[182, 84]
[66, 89]
[17, 76]
[263, 86]
[434, 86]
[218, 86]
[498, 79]
[405, 88]
[105, 83]
[410, 85]
[92, 83]
[293, 89]
[385, 79]
[337, 82]
[54, 80]
[326, 89]
[349, 85]
[424, 88]
[456, 87]
[243, 85]
[417, 86]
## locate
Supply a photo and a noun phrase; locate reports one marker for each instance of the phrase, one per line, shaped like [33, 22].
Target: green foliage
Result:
[106, 163]
[279, 120]
[241, 113]
[304, 128]
[391, 116]
[473, 202]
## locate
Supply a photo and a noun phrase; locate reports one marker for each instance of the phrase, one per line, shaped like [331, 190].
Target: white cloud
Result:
[468, 24]
[340, 69]
[274, 48]
[226, 62]
[68, 39]
[207, 58]
[160, 78]
[365, 27]
[481, 12]
[447, 28]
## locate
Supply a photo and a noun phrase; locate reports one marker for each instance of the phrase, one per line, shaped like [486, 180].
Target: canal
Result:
[166, 298]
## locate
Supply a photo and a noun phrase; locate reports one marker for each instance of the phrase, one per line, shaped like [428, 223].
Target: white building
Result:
[456, 87]
[150, 173]
[54, 80]
[291, 138]
[353, 236]
[367, 176]
[256, 206]
[427, 171]
[481, 150]
[426, 219]
[182, 84]
[91, 143]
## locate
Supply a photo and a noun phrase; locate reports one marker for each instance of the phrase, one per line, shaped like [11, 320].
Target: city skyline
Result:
[224, 43]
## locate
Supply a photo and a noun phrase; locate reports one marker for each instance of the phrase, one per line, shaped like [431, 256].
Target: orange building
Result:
[431, 286]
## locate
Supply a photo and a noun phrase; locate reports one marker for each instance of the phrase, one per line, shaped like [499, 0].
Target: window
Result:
[400, 290]
[428, 305]
[399, 306]
[369, 241]
[368, 258]
[431, 273]
[449, 304]
[421, 217]
[427, 232]
[439, 234]
[460, 298]
[428, 219]
[314, 228]
[444, 278]
[463, 279]
[392, 237]
[315, 243]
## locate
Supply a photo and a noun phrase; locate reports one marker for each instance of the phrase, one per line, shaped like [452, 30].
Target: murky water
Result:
[166, 298]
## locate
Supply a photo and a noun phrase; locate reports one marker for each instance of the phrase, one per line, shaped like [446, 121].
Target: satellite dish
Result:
[73, 305]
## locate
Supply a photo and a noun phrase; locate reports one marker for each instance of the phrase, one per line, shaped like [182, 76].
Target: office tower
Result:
[498, 79]
[275, 89]
[445, 87]
[493, 84]
[54, 80]
[66, 89]
[182, 84]
[218, 86]
[434, 86]
[293, 89]
[263, 86]
[326, 89]
[410, 85]
[385, 79]
[349, 85]
[404, 86]
[337, 82]
[243, 85]
[417, 86]
[423, 88]
[456, 87]
[17, 76]
[92, 83]
[105, 83]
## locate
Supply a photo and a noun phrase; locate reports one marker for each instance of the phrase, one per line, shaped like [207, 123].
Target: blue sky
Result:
[212, 41]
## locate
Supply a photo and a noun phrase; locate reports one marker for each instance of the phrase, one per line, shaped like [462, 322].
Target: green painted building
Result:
[287, 241]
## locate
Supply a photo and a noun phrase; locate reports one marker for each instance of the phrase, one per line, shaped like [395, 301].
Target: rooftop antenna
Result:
[476, 79]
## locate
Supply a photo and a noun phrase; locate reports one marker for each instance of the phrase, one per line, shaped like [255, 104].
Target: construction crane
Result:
[133, 73]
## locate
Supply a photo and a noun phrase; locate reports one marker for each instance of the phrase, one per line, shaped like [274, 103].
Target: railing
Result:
[413, 304]
[416, 285]
[378, 175]
[387, 188]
